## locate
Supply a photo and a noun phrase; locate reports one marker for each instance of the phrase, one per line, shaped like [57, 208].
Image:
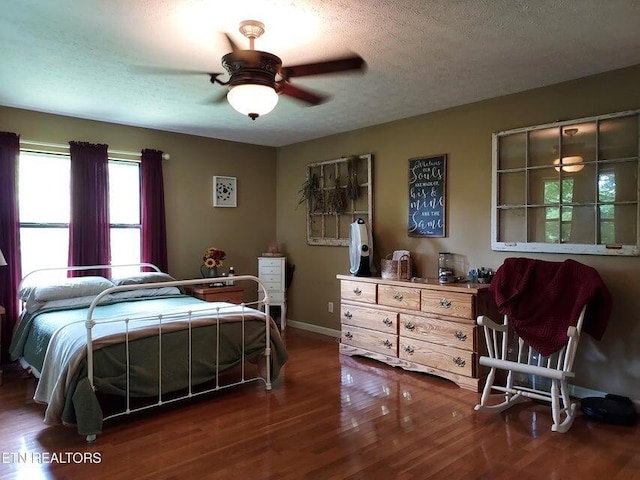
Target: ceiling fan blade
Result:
[330, 66]
[215, 99]
[233, 45]
[147, 69]
[249, 56]
[285, 88]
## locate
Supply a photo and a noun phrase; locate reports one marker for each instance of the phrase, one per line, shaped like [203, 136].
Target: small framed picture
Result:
[225, 191]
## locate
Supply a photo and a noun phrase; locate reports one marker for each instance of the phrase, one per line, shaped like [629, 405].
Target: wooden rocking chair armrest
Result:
[518, 367]
[485, 321]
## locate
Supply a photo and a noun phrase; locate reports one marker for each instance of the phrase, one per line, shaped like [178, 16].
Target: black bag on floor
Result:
[613, 409]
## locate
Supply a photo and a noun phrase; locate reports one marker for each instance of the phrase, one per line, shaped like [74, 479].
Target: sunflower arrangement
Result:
[213, 257]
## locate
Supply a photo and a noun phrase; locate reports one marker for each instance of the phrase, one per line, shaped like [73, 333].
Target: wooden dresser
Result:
[425, 327]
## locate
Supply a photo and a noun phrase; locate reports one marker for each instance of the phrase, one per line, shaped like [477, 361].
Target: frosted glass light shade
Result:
[253, 100]
[569, 164]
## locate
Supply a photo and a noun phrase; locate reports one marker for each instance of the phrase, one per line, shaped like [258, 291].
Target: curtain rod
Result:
[165, 156]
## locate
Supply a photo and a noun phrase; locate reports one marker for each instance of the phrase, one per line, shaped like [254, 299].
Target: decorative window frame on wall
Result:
[586, 203]
[331, 208]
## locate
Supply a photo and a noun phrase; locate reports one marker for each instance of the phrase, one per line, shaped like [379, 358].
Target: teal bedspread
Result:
[211, 351]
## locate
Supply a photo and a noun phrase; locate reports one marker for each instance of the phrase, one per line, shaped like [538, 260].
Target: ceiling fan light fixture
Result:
[569, 164]
[252, 99]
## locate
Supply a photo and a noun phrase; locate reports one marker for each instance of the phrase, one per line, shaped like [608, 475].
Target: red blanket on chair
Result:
[542, 299]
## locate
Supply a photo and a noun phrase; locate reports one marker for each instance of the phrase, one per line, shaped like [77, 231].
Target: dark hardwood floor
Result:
[327, 417]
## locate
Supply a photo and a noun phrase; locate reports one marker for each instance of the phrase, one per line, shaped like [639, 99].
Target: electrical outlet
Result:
[330, 307]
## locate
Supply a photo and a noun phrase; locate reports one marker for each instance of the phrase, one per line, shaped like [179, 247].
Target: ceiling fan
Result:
[256, 78]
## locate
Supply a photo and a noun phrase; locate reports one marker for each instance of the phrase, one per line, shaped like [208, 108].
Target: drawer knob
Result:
[348, 314]
[444, 303]
[461, 336]
[459, 362]
[348, 335]
[408, 349]
[397, 296]
[387, 321]
[357, 291]
[387, 344]
[409, 326]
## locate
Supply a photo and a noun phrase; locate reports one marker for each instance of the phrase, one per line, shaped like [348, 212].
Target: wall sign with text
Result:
[427, 196]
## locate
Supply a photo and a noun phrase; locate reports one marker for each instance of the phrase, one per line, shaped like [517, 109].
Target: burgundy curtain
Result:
[154, 228]
[89, 230]
[10, 274]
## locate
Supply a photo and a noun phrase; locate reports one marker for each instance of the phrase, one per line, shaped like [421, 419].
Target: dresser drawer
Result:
[270, 262]
[452, 304]
[275, 297]
[273, 287]
[270, 278]
[454, 360]
[268, 270]
[401, 297]
[358, 291]
[442, 332]
[384, 343]
[369, 318]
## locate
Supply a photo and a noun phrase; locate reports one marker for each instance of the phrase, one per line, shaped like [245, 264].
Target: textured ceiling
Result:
[74, 57]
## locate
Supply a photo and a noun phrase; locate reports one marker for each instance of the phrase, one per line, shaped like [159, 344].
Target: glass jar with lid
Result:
[445, 268]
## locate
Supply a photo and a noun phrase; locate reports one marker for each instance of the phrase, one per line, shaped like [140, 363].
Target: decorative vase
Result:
[209, 272]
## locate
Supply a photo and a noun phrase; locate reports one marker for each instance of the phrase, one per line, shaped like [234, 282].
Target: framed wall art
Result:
[225, 190]
[427, 196]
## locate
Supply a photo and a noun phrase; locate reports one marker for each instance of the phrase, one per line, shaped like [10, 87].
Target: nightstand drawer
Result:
[233, 294]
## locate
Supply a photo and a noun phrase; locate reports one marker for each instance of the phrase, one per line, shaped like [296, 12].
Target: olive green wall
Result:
[193, 224]
[464, 134]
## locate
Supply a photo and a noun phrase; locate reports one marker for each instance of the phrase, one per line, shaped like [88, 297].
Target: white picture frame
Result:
[225, 191]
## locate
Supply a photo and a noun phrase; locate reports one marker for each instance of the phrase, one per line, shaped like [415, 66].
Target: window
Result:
[558, 226]
[44, 209]
[337, 193]
[568, 187]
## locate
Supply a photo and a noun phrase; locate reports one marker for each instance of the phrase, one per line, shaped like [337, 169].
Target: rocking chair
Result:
[556, 368]
[545, 306]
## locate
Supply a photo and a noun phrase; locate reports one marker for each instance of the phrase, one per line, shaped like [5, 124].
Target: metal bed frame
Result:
[163, 317]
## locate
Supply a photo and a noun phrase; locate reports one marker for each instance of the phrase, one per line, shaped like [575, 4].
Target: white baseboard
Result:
[582, 392]
[314, 328]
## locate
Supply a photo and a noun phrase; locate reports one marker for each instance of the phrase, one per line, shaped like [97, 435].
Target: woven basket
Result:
[396, 269]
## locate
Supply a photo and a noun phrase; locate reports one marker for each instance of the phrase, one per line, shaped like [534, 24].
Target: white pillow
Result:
[72, 288]
[34, 293]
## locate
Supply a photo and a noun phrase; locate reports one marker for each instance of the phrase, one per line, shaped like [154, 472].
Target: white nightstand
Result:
[271, 270]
